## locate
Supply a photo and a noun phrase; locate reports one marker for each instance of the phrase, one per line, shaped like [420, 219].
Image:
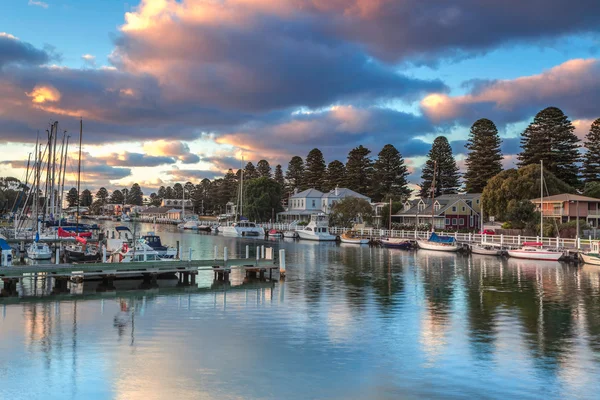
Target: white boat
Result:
[140, 252]
[593, 256]
[395, 243]
[535, 251]
[242, 228]
[290, 234]
[317, 229]
[39, 251]
[486, 249]
[438, 243]
[125, 218]
[353, 238]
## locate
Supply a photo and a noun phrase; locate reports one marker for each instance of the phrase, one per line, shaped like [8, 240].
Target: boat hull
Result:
[290, 235]
[535, 255]
[427, 245]
[354, 240]
[232, 231]
[590, 259]
[396, 244]
[322, 237]
[485, 252]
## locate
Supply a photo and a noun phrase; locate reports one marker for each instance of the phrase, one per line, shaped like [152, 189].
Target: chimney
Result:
[336, 191]
[295, 190]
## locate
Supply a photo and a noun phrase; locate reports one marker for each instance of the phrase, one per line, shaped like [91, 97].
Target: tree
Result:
[116, 197]
[102, 195]
[178, 191]
[169, 193]
[72, 197]
[86, 198]
[135, 197]
[550, 138]
[591, 159]
[228, 189]
[202, 201]
[263, 169]
[295, 173]
[125, 193]
[484, 160]
[521, 184]
[359, 170]
[278, 177]
[162, 192]
[447, 176]
[349, 211]
[522, 214]
[96, 207]
[592, 189]
[390, 174]
[385, 212]
[250, 172]
[155, 201]
[263, 199]
[189, 188]
[336, 175]
[314, 170]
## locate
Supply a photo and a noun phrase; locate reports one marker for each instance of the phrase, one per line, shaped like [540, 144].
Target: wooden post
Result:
[178, 253]
[247, 251]
[225, 257]
[57, 257]
[282, 263]
[190, 255]
[216, 252]
[103, 253]
[263, 251]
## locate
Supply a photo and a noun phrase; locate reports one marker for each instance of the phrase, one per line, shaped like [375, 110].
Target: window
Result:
[447, 221]
[421, 206]
[464, 208]
[453, 221]
[461, 221]
[471, 222]
[454, 208]
[406, 206]
[477, 201]
[436, 207]
[314, 204]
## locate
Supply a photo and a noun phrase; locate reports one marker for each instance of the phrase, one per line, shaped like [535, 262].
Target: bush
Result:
[507, 225]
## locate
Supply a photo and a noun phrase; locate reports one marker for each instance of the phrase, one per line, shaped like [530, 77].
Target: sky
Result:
[173, 91]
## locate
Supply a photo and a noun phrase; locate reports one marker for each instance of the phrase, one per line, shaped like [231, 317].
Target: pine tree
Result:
[250, 172]
[229, 188]
[390, 174]
[484, 160]
[447, 176]
[178, 191]
[125, 193]
[314, 171]
[117, 197]
[169, 193]
[72, 197]
[278, 177]
[550, 138]
[162, 192]
[263, 169]
[591, 159]
[135, 195]
[295, 174]
[86, 198]
[336, 175]
[359, 171]
[102, 195]
[189, 188]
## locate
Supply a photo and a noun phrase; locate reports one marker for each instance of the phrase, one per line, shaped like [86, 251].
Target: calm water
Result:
[349, 322]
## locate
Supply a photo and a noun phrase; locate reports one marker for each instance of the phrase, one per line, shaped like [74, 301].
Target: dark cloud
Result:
[193, 175]
[15, 51]
[127, 159]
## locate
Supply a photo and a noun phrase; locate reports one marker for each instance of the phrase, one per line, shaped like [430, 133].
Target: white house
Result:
[311, 201]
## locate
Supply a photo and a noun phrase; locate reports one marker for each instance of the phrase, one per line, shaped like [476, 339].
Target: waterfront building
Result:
[566, 207]
[177, 203]
[450, 211]
[301, 205]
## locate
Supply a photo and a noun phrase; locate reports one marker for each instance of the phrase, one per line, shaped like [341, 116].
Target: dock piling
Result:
[262, 249]
[190, 255]
[216, 252]
[225, 257]
[103, 253]
[247, 251]
[57, 257]
[282, 263]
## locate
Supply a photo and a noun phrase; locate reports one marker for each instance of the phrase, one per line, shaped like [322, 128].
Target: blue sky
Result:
[179, 90]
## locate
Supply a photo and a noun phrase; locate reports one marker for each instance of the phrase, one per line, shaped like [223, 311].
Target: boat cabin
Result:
[245, 224]
[153, 241]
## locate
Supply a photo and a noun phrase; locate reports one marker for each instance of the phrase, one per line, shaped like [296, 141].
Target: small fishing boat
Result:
[82, 252]
[396, 243]
[487, 249]
[125, 218]
[242, 228]
[438, 243]
[141, 251]
[290, 234]
[317, 229]
[593, 256]
[274, 233]
[353, 237]
[39, 251]
[155, 243]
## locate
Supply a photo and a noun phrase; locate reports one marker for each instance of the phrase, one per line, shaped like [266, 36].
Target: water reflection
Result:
[347, 322]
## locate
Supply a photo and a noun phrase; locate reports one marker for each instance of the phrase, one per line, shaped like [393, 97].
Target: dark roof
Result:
[156, 210]
[567, 197]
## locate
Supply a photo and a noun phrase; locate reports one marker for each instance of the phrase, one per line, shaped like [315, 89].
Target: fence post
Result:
[282, 262]
[557, 242]
[501, 239]
[578, 243]
[519, 239]
[247, 251]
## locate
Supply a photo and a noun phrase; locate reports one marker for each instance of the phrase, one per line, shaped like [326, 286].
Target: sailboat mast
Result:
[390, 216]
[241, 202]
[53, 193]
[433, 196]
[542, 200]
[183, 204]
[79, 175]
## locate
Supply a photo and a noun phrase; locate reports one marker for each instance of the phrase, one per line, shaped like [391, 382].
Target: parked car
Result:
[488, 232]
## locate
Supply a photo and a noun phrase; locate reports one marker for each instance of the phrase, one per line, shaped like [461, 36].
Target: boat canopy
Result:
[440, 239]
[4, 245]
